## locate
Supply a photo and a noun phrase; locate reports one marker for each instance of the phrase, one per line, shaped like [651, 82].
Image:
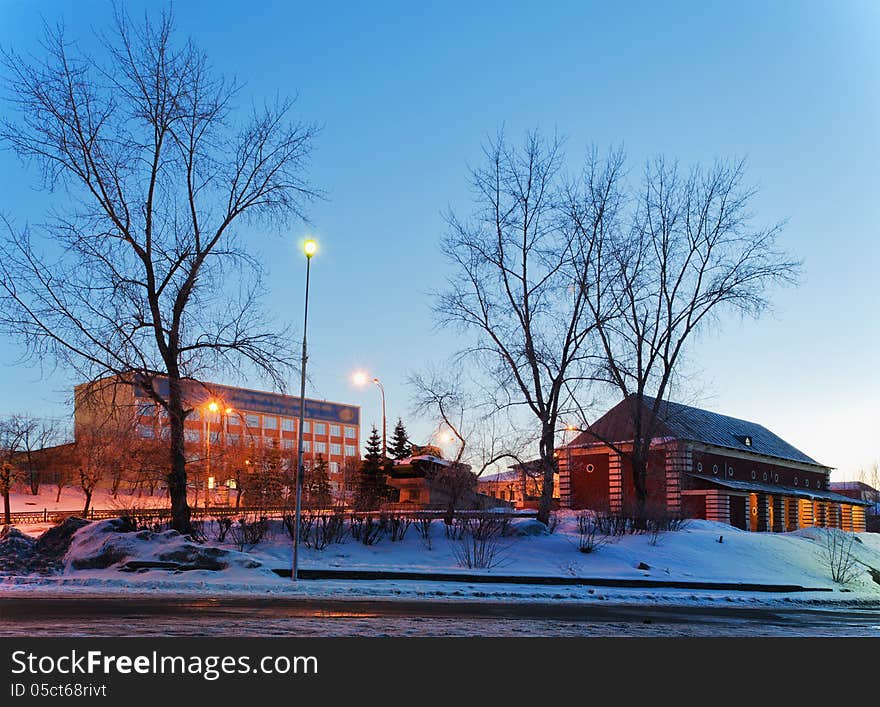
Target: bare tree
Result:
[688, 252]
[522, 280]
[481, 437]
[143, 271]
[11, 433]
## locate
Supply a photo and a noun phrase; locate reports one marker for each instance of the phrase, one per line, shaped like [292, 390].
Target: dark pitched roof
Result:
[695, 425]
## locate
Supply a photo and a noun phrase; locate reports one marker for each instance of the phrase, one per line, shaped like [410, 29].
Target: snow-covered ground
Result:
[692, 554]
[72, 499]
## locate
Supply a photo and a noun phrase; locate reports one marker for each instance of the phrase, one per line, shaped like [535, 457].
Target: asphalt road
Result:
[221, 616]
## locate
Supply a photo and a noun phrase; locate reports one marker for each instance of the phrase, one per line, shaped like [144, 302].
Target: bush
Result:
[223, 525]
[367, 529]
[397, 526]
[479, 545]
[590, 535]
[838, 556]
[248, 533]
[423, 528]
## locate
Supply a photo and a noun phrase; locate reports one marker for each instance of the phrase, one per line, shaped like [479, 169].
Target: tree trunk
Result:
[180, 512]
[58, 495]
[35, 484]
[639, 463]
[88, 493]
[7, 510]
[548, 472]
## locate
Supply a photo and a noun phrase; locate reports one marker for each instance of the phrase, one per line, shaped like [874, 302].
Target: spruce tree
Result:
[400, 446]
[318, 484]
[371, 481]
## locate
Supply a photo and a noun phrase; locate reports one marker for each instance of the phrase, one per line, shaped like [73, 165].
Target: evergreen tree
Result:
[400, 446]
[318, 484]
[371, 488]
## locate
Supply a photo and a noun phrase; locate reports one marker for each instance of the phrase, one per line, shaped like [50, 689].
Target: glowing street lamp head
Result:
[310, 247]
[212, 406]
[359, 378]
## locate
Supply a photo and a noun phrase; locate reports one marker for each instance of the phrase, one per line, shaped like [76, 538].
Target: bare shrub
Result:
[397, 526]
[838, 556]
[222, 524]
[247, 533]
[367, 529]
[423, 528]
[590, 535]
[479, 545]
[553, 522]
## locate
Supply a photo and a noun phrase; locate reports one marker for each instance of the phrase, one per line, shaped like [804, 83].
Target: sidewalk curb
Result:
[378, 575]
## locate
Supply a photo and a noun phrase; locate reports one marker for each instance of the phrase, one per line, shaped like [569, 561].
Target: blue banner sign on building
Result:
[196, 393]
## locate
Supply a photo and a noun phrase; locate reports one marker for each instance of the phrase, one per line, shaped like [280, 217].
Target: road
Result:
[221, 616]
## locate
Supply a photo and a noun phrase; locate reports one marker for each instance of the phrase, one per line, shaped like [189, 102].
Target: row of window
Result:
[764, 476]
[147, 432]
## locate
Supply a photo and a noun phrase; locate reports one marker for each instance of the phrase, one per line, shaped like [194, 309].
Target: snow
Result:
[73, 499]
[692, 554]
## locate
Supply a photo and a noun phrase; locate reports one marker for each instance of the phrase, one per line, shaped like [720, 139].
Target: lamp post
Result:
[310, 247]
[360, 379]
[384, 424]
[212, 408]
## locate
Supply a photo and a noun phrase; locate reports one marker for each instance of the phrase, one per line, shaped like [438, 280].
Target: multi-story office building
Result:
[224, 417]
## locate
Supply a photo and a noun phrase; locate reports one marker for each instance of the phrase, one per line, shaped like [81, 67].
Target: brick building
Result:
[225, 417]
[705, 465]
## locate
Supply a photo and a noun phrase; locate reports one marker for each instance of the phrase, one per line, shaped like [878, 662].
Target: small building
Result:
[425, 480]
[704, 465]
[520, 485]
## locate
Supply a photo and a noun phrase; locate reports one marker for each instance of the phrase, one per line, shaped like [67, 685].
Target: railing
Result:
[164, 514]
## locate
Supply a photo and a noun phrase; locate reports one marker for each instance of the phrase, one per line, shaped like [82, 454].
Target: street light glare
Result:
[212, 406]
[310, 247]
[359, 378]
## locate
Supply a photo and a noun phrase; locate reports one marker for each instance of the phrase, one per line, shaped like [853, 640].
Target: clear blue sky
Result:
[407, 92]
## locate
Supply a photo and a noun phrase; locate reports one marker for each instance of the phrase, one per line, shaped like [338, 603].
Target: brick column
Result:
[821, 519]
[678, 461]
[615, 483]
[834, 519]
[717, 506]
[564, 463]
[778, 514]
[793, 520]
[763, 512]
[846, 517]
[858, 519]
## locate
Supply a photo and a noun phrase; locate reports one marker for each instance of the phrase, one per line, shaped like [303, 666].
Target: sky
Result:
[407, 93]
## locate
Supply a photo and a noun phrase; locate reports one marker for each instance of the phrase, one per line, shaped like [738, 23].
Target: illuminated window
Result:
[334, 467]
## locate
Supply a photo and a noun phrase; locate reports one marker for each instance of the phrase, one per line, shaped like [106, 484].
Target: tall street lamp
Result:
[360, 378]
[310, 247]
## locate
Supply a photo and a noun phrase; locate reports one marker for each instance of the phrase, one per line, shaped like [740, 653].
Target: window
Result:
[307, 426]
[335, 431]
[699, 466]
[775, 478]
[270, 422]
[215, 437]
[192, 435]
[145, 431]
[320, 428]
[714, 468]
[590, 468]
[213, 417]
[754, 474]
[336, 449]
[287, 444]
[334, 467]
[350, 450]
[320, 448]
[795, 480]
[350, 433]
[145, 409]
[195, 415]
[252, 420]
[807, 483]
[307, 446]
[287, 424]
[233, 439]
[165, 433]
[764, 476]
[730, 471]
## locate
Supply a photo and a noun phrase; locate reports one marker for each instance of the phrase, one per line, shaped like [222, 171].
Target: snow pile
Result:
[112, 544]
